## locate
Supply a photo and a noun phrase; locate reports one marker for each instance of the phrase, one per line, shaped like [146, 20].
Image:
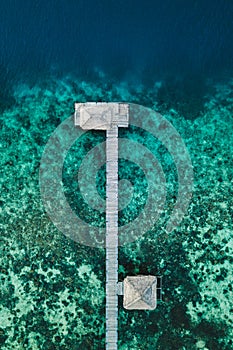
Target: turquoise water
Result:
[52, 294]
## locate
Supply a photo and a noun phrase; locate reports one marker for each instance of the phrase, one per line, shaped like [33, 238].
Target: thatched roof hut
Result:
[101, 115]
[140, 292]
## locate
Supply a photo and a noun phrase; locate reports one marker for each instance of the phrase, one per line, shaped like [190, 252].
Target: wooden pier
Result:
[108, 116]
[111, 238]
[139, 292]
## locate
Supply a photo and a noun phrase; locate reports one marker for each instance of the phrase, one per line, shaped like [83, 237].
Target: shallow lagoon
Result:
[52, 294]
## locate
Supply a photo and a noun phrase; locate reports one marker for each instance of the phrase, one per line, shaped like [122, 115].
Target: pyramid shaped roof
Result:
[140, 292]
[101, 115]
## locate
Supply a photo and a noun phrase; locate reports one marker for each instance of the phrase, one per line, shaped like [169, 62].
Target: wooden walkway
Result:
[108, 116]
[112, 238]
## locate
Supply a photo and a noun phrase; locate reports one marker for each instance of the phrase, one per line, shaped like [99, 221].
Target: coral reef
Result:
[52, 289]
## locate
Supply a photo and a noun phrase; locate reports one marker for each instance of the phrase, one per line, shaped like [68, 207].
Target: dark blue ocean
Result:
[172, 61]
[128, 39]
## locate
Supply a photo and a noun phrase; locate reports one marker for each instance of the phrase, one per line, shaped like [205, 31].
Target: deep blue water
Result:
[126, 39]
